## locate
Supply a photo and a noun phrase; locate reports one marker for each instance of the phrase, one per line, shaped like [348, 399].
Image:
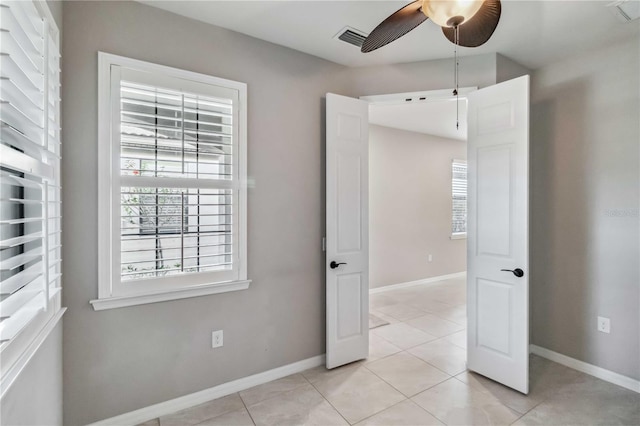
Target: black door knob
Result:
[334, 264]
[517, 272]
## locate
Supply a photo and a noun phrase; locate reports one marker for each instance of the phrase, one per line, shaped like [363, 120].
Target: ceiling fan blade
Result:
[477, 30]
[395, 26]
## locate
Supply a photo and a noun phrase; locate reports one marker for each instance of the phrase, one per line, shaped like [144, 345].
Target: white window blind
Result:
[176, 194]
[459, 197]
[30, 223]
[171, 134]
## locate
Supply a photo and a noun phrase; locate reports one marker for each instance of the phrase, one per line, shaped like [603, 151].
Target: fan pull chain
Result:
[455, 74]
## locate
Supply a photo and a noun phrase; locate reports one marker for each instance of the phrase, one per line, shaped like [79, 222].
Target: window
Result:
[30, 240]
[458, 199]
[173, 197]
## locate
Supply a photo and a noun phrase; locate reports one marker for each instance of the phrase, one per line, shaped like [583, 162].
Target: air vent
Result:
[625, 10]
[351, 36]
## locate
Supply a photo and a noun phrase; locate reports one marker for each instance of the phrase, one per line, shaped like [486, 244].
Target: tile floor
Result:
[416, 375]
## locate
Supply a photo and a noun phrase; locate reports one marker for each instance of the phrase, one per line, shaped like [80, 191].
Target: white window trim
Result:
[106, 297]
[17, 353]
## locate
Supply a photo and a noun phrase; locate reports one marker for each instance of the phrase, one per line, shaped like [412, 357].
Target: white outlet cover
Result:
[604, 325]
[217, 339]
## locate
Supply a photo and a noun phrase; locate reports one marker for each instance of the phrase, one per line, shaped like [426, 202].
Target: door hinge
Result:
[324, 243]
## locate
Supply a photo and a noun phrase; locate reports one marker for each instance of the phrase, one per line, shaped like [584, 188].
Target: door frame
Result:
[419, 96]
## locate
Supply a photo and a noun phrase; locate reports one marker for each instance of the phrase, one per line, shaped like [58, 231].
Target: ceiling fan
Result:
[468, 23]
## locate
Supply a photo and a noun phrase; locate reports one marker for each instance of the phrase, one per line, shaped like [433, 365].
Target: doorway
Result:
[497, 234]
[417, 229]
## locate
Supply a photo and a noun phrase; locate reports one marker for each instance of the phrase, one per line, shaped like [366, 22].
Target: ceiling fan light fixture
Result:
[450, 13]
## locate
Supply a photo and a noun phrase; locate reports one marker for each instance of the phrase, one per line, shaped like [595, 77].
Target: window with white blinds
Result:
[459, 198]
[30, 203]
[176, 200]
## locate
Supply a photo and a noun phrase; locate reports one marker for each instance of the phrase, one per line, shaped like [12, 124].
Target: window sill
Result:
[181, 293]
[459, 236]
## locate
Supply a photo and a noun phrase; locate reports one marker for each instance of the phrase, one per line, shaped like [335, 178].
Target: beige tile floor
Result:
[416, 375]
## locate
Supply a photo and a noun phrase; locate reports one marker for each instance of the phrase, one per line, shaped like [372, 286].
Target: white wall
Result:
[585, 224]
[410, 206]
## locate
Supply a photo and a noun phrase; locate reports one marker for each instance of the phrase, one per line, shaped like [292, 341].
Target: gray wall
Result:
[410, 206]
[124, 359]
[35, 398]
[120, 360]
[507, 69]
[477, 71]
[56, 11]
[585, 198]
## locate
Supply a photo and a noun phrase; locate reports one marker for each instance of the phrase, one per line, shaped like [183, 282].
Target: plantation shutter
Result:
[459, 197]
[178, 180]
[30, 251]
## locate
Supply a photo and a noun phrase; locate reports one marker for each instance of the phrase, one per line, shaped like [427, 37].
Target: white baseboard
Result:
[417, 282]
[593, 370]
[153, 411]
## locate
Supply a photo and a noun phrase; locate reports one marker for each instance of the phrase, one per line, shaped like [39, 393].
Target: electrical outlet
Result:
[216, 339]
[430, 258]
[604, 325]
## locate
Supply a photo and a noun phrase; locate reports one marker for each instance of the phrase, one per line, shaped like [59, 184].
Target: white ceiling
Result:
[431, 117]
[533, 33]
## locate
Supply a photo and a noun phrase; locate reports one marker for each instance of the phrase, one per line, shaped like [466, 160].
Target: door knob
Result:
[334, 264]
[517, 272]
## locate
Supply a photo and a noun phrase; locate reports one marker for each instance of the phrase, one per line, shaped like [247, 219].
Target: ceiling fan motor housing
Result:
[455, 21]
[447, 13]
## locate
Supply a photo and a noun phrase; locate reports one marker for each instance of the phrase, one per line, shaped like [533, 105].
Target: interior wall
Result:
[507, 69]
[585, 226]
[410, 206]
[35, 398]
[478, 71]
[124, 359]
[55, 6]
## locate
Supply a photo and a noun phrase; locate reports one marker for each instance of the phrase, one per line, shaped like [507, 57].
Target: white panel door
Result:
[347, 241]
[498, 233]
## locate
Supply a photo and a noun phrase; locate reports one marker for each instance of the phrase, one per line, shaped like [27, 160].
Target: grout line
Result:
[438, 418]
[438, 368]
[329, 402]
[217, 415]
[423, 343]
[419, 359]
[514, 422]
[273, 396]
[500, 400]
[391, 406]
[247, 408]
